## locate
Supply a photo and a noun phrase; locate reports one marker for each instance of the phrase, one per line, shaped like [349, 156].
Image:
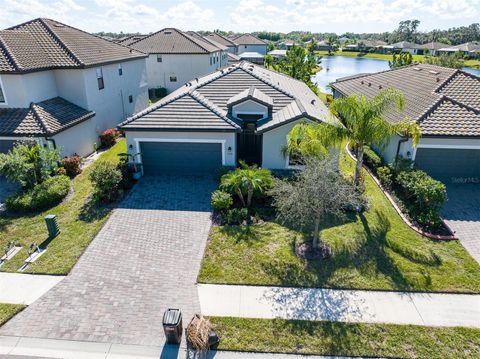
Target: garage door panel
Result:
[180, 157]
[6, 145]
[449, 165]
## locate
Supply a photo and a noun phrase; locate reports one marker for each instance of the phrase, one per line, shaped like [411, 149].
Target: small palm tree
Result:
[364, 123]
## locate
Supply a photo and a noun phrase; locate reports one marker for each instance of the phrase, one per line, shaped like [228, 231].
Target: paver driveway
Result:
[144, 260]
[462, 214]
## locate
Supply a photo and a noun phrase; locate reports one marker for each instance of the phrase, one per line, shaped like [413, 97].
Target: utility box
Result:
[52, 225]
[172, 326]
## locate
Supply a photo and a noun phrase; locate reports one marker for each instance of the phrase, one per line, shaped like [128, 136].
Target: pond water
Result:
[335, 67]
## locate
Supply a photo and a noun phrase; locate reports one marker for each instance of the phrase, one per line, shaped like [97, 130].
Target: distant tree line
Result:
[116, 35]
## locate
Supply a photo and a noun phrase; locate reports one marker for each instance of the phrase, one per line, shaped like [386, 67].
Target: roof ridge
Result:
[446, 81]
[225, 38]
[377, 73]
[180, 32]
[152, 34]
[194, 40]
[197, 96]
[268, 82]
[38, 117]
[461, 104]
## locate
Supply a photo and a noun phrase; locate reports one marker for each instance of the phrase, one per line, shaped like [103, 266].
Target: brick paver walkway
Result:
[462, 214]
[144, 260]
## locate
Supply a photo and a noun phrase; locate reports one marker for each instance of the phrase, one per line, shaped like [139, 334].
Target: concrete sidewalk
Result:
[21, 347]
[447, 310]
[16, 288]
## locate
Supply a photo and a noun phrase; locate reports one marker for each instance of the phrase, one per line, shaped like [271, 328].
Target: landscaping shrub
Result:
[385, 176]
[221, 200]
[106, 179]
[44, 195]
[108, 137]
[371, 158]
[126, 171]
[72, 165]
[423, 196]
[237, 215]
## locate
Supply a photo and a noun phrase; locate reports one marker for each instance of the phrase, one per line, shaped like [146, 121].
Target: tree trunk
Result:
[316, 234]
[249, 196]
[358, 166]
[240, 195]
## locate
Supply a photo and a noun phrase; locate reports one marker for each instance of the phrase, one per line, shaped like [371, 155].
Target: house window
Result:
[173, 78]
[2, 96]
[130, 99]
[245, 46]
[159, 58]
[100, 82]
[120, 70]
[210, 60]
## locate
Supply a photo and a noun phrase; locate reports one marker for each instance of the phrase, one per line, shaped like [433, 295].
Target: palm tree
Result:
[364, 123]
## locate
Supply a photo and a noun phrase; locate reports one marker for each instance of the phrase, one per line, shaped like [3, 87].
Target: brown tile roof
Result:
[215, 36]
[434, 45]
[248, 39]
[44, 118]
[130, 39]
[427, 89]
[46, 44]
[173, 41]
[291, 99]
[218, 45]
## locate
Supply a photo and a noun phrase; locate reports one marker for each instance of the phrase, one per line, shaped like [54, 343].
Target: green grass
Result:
[7, 311]
[416, 58]
[342, 339]
[78, 219]
[373, 250]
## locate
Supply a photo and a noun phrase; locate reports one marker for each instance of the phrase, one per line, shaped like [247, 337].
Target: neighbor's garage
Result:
[447, 164]
[180, 157]
[6, 145]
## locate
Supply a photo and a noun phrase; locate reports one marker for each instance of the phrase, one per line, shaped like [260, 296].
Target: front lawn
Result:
[7, 311]
[373, 250]
[346, 339]
[78, 219]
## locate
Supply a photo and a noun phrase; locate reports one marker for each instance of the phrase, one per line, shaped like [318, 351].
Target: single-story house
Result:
[278, 54]
[433, 47]
[445, 103]
[253, 57]
[405, 46]
[323, 46]
[469, 49]
[243, 112]
[365, 45]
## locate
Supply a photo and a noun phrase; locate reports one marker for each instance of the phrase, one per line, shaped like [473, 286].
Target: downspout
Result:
[400, 141]
[52, 141]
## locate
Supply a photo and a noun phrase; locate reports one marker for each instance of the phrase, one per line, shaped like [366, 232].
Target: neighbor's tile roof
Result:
[468, 46]
[218, 45]
[44, 118]
[406, 45]
[47, 44]
[173, 41]
[442, 100]
[248, 39]
[434, 45]
[291, 100]
[221, 39]
[130, 39]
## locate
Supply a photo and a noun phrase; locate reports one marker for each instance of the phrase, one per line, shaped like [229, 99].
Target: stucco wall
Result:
[273, 143]
[21, 90]
[78, 139]
[111, 103]
[185, 67]
[261, 49]
[230, 140]
[71, 86]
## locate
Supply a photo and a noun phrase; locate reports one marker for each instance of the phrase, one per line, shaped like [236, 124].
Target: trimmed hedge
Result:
[106, 179]
[221, 200]
[371, 158]
[44, 195]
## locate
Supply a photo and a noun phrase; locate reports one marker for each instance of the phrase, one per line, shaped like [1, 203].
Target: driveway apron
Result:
[144, 260]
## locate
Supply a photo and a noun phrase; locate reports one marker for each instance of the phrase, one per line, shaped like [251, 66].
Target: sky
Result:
[338, 16]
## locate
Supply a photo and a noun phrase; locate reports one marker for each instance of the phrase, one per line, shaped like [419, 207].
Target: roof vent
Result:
[369, 84]
[438, 79]
[312, 102]
[196, 79]
[417, 69]
[167, 32]
[433, 72]
[380, 87]
[362, 82]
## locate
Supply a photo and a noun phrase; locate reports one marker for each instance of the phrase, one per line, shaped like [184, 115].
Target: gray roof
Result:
[444, 101]
[47, 44]
[215, 36]
[290, 99]
[406, 45]
[278, 52]
[467, 47]
[219, 46]
[130, 39]
[248, 39]
[44, 118]
[251, 55]
[233, 58]
[173, 41]
[434, 45]
[251, 93]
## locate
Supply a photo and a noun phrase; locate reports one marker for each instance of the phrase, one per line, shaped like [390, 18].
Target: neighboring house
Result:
[287, 44]
[126, 41]
[253, 57]
[433, 47]
[231, 45]
[62, 86]
[175, 57]
[445, 103]
[469, 49]
[278, 54]
[365, 45]
[405, 46]
[233, 59]
[323, 46]
[243, 112]
[250, 43]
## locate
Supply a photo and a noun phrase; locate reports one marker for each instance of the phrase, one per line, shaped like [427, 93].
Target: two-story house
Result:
[231, 45]
[250, 43]
[61, 86]
[176, 57]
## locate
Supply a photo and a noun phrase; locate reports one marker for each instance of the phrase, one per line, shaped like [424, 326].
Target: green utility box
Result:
[52, 225]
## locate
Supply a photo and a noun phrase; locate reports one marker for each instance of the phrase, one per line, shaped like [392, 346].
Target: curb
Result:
[399, 211]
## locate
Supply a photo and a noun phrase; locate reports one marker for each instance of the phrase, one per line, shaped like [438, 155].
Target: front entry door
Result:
[250, 145]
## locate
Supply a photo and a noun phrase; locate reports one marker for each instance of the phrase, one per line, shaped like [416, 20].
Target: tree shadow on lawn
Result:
[93, 211]
[245, 234]
[367, 256]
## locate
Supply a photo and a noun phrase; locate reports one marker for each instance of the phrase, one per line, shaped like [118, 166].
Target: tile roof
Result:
[233, 58]
[44, 118]
[468, 47]
[251, 55]
[173, 41]
[248, 39]
[251, 93]
[46, 44]
[215, 36]
[130, 39]
[406, 45]
[216, 89]
[218, 45]
[434, 45]
[436, 97]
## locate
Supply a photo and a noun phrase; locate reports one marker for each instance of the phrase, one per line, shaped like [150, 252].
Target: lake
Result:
[335, 67]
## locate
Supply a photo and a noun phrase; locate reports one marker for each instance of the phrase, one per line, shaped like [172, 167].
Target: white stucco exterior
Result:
[78, 139]
[261, 49]
[181, 67]
[228, 140]
[21, 90]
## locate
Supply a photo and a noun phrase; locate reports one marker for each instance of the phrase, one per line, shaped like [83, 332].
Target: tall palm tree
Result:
[364, 123]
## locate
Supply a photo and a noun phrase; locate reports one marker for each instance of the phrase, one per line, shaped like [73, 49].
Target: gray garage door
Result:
[449, 165]
[180, 158]
[6, 145]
